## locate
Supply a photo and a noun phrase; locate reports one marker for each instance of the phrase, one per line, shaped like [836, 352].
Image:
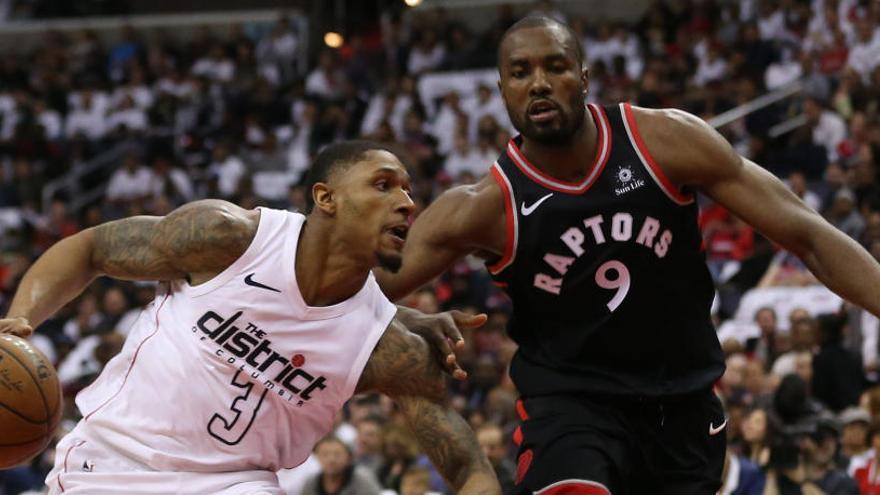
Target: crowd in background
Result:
[230, 114]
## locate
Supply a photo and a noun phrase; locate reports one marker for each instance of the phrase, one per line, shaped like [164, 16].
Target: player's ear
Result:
[585, 78]
[325, 199]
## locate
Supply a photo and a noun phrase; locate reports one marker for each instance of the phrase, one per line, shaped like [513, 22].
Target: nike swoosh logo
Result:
[250, 281]
[714, 431]
[527, 210]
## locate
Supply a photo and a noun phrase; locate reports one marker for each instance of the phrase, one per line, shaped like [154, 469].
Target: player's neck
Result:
[566, 163]
[326, 272]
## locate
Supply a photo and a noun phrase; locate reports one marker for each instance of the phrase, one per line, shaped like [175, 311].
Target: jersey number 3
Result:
[620, 282]
[244, 410]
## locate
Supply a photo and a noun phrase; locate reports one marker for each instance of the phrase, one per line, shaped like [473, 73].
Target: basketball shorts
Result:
[83, 466]
[572, 445]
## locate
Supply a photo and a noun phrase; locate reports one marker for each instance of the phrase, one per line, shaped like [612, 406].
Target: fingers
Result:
[465, 320]
[16, 326]
[457, 372]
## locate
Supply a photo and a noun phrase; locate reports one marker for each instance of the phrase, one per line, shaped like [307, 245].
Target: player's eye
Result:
[382, 185]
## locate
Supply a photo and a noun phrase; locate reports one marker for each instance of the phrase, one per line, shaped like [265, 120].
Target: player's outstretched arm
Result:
[694, 154]
[197, 240]
[403, 368]
[461, 221]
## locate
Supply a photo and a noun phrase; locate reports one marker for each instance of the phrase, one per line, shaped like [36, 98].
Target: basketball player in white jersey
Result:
[270, 321]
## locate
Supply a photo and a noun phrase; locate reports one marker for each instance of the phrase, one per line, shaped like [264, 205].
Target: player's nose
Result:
[540, 84]
[405, 204]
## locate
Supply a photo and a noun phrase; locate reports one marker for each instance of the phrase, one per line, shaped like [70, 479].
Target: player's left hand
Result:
[443, 333]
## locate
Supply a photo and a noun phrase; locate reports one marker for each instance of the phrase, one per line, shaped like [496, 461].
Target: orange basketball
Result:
[30, 401]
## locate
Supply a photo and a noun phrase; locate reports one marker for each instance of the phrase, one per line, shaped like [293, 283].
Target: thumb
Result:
[465, 320]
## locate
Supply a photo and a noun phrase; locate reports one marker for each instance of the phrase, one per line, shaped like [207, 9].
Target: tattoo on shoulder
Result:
[203, 236]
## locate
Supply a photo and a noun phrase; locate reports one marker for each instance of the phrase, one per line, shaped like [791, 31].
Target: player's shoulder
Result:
[214, 216]
[682, 143]
[475, 205]
[666, 121]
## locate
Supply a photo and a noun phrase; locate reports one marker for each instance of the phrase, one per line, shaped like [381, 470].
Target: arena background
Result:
[110, 108]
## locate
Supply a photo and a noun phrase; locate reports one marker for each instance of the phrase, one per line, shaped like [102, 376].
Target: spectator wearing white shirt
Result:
[216, 66]
[136, 89]
[466, 158]
[828, 128]
[325, 80]
[486, 102]
[49, 119]
[711, 68]
[797, 182]
[228, 169]
[131, 182]
[127, 117]
[450, 121]
[771, 22]
[864, 56]
[171, 181]
[783, 71]
[391, 106]
[86, 119]
[427, 54]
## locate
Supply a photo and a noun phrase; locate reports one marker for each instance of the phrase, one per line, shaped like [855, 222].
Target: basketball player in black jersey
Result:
[588, 221]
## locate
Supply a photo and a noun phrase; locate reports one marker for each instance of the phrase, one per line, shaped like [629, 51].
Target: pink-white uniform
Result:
[221, 384]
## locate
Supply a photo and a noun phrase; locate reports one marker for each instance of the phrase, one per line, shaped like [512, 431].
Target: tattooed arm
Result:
[195, 241]
[403, 367]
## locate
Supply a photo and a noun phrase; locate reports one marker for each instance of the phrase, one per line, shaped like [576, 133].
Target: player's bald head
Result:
[560, 31]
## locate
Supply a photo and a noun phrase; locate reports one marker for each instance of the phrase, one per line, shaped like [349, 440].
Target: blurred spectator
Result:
[131, 182]
[368, 447]
[869, 482]
[339, 476]
[854, 443]
[492, 441]
[843, 214]
[837, 373]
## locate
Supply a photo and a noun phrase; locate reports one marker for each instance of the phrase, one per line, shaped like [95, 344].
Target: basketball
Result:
[30, 401]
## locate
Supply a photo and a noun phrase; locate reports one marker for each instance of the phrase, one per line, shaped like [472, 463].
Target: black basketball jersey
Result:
[610, 289]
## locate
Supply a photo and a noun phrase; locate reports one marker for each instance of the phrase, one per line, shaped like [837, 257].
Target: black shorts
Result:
[595, 446]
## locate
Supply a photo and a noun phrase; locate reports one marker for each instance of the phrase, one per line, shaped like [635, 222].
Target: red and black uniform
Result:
[611, 299]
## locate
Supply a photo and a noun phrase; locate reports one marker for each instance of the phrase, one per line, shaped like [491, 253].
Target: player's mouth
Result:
[397, 233]
[543, 111]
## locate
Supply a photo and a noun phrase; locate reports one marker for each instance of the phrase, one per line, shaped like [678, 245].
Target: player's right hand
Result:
[19, 326]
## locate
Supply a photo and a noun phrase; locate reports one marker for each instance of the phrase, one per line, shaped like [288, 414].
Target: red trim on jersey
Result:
[657, 172]
[574, 487]
[521, 410]
[509, 220]
[517, 436]
[603, 151]
[523, 463]
[64, 471]
[133, 361]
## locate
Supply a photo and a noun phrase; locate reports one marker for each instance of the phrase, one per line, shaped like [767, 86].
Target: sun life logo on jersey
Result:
[627, 180]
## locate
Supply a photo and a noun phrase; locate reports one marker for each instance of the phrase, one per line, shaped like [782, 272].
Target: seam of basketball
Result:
[40, 388]
[18, 444]
[22, 416]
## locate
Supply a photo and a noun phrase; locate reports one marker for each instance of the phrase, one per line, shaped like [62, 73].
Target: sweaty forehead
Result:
[537, 42]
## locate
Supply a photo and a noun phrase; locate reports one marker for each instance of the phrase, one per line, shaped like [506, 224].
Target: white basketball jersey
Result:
[235, 374]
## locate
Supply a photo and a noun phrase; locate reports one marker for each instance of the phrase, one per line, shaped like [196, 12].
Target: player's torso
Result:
[236, 373]
[610, 289]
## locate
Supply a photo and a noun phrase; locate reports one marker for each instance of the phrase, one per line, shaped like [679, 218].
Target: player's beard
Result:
[555, 136]
[390, 262]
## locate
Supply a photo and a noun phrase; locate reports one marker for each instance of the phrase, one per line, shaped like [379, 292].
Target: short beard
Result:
[391, 263]
[561, 136]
